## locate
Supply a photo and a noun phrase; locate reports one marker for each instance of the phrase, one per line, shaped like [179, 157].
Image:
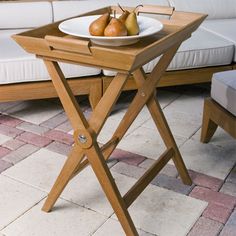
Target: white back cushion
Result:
[24, 14]
[216, 9]
[65, 9]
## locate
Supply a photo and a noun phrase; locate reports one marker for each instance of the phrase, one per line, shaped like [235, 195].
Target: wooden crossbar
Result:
[148, 176]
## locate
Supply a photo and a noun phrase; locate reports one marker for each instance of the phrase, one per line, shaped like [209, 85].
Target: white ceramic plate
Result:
[80, 27]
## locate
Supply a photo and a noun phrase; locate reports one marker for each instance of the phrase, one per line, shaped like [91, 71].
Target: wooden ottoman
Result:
[220, 109]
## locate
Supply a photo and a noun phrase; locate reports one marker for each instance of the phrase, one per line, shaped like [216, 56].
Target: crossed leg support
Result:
[86, 150]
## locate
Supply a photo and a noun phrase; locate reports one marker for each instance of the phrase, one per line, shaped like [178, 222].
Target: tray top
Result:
[49, 42]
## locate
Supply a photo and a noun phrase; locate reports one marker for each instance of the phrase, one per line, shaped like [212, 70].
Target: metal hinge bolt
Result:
[82, 138]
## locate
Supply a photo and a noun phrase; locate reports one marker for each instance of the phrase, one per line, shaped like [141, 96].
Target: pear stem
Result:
[140, 5]
[120, 7]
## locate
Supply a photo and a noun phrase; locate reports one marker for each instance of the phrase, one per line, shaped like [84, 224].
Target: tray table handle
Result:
[69, 43]
[151, 9]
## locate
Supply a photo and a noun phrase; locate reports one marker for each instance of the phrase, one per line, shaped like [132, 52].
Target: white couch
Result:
[211, 46]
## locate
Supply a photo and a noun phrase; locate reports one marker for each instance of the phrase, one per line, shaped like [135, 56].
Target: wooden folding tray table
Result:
[52, 46]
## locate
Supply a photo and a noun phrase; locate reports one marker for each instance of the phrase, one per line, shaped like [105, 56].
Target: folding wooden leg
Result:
[107, 182]
[163, 128]
[161, 123]
[64, 177]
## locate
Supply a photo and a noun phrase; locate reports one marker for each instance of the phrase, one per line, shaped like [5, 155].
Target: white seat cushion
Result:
[223, 90]
[203, 49]
[25, 14]
[17, 66]
[216, 9]
[65, 9]
[225, 28]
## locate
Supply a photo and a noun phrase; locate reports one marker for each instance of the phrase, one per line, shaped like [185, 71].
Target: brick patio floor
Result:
[35, 137]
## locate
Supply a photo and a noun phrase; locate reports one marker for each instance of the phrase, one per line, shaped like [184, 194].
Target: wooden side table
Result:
[52, 46]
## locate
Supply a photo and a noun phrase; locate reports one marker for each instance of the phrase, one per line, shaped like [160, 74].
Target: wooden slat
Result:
[149, 175]
[45, 89]
[179, 77]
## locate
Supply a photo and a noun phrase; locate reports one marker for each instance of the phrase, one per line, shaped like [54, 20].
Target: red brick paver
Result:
[3, 151]
[9, 131]
[213, 197]
[206, 181]
[217, 213]
[34, 139]
[60, 136]
[9, 121]
[127, 157]
[206, 227]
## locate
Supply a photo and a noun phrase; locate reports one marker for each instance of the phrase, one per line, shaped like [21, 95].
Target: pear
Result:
[98, 26]
[131, 24]
[124, 15]
[115, 28]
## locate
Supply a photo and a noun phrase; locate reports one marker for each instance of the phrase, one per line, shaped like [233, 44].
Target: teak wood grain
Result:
[215, 115]
[53, 46]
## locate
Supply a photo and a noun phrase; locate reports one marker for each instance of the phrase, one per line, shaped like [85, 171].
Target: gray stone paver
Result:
[229, 188]
[184, 122]
[230, 227]
[128, 170]
[26, 126]
[4, 165]
[20, 154]
[172, 183]
[60, 148]
[232, 176]
[55, 121]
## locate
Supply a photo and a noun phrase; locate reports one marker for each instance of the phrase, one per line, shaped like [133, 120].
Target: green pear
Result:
[131, 24]
[98, 26]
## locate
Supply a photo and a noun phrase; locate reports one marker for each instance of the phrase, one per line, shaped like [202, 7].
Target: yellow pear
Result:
[131, 24]
[115, 28]
[98, 26]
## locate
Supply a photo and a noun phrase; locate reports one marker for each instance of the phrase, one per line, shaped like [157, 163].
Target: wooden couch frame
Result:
[95, 86]
[44, 89]
[215, 115]
[178, 77]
